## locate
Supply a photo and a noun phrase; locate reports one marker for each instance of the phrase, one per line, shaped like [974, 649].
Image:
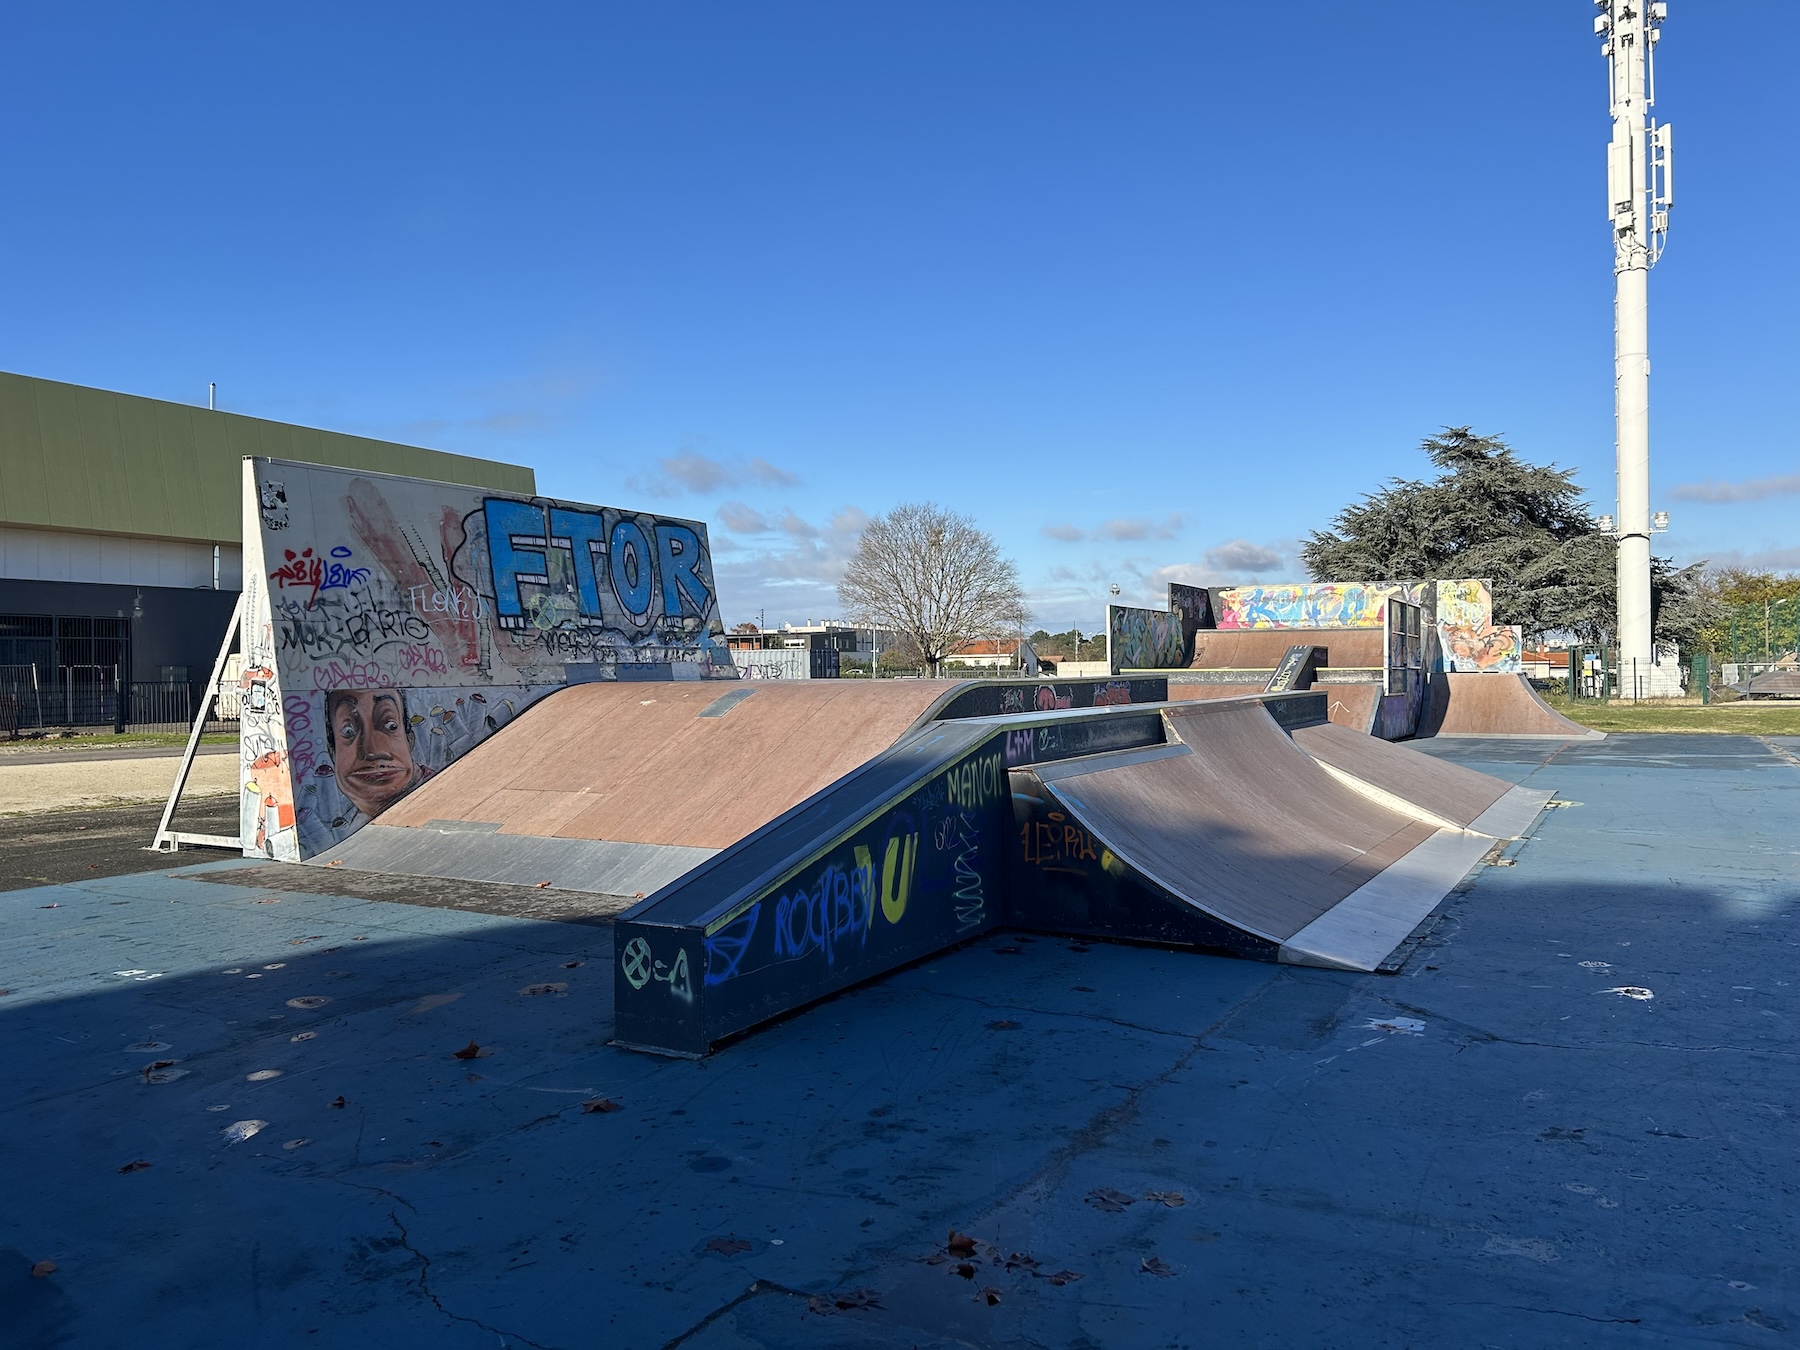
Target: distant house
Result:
[996, 654]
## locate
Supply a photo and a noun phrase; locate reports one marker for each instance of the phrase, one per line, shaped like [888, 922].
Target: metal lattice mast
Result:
[1638, 199]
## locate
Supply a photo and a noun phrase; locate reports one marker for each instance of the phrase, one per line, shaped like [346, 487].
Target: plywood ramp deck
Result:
[1248, 827]
[1259, 648]
[1349, 705]
[697, 765]
[1467, 704]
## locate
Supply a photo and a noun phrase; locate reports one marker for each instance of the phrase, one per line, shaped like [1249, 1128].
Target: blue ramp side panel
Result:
[908, 855]
[893, 863]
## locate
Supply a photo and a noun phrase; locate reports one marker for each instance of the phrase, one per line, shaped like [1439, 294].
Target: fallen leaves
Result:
[1173, 1199]
[43, 1268]
[469, 1051]
[541, 886]
[306, 1001]
[1109, 1200]
[548, 987]
[855, 1300]
[1004, 1024]
[1155, 1265]
[338, 1103]
[136, 1166]
[599, 1105]
[727, 1246]
[965, 1255]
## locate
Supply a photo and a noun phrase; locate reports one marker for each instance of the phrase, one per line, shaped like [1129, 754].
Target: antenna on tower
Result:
[1639, 193]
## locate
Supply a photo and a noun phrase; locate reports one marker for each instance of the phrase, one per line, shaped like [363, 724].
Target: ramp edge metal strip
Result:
[1513, 814]
[1360, 931]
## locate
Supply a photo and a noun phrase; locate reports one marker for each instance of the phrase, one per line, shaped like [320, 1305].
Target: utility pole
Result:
[1638, 198]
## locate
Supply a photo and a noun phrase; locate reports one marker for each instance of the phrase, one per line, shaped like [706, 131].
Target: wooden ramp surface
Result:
[1241, 822]
[1446, 794]
[698, 765]
[1349, 705]
[1263, 648]
[1467, 704]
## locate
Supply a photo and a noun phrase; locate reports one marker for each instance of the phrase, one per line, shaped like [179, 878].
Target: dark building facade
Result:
[120, 548]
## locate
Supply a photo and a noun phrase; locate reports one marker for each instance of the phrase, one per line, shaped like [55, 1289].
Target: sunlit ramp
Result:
[1231, 835]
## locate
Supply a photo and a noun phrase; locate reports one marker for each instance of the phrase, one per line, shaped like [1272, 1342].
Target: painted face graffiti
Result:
[371, 747]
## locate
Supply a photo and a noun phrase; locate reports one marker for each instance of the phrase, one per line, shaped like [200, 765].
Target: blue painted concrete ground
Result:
[1493, 1148]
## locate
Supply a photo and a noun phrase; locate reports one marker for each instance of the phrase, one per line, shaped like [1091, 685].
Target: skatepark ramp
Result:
[621, 788]
[1464, 704]
[1232, 835]
[1203, 825]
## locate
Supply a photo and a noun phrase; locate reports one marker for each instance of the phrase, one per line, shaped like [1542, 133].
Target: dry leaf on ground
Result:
[1109, 1200]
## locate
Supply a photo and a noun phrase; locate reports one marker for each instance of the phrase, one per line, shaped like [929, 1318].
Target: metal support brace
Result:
[170, 841]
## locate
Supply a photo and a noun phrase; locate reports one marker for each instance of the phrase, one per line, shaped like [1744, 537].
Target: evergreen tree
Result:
[1522, 526]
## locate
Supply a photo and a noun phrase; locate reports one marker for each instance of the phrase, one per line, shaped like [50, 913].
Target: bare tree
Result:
[936, 580]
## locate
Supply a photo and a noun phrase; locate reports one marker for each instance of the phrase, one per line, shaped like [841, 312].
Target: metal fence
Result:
[88, 697]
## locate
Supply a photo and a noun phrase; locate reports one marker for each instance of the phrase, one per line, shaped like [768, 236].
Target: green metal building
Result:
[120, 548]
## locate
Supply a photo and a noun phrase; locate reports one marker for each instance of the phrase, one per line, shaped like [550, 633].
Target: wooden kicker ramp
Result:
[792, 840]
[1313, 845]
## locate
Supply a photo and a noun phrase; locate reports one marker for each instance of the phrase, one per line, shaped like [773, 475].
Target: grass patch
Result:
[131, 740]
[1744, 718]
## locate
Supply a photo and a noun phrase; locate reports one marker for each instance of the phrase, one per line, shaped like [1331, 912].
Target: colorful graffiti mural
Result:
[392, 624]
[1320, 605]
[1495, 649]
[1142, 639]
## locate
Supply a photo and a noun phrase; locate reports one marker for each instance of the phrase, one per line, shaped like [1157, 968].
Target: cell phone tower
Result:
[1638, 198]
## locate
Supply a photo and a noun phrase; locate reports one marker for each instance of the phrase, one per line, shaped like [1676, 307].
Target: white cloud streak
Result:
[1754, 490]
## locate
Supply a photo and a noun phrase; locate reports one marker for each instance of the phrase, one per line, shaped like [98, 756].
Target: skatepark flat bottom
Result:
[1505, 1144]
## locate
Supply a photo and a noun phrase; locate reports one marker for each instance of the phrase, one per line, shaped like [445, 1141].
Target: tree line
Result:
[939, 582]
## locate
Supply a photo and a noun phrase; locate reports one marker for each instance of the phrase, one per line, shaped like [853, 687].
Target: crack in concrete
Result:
[757, 1289]
[1559, 1312]
[506, 1337]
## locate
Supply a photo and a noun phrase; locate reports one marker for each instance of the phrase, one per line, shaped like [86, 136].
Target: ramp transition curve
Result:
[1467, 704]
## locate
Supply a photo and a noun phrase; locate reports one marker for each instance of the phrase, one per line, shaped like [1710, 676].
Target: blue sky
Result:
[1150, 290]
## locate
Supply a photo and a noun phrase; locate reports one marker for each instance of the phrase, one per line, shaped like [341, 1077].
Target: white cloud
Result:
[792, 577]
[689, 471]
[761, 471]
[797, 528]
[1065, 533]
[1133, 528]
[742, 519]
[1766, 560]
[1754, 490]
[1240, 555]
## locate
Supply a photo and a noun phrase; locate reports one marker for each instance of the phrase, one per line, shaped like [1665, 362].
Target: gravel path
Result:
[33, 786]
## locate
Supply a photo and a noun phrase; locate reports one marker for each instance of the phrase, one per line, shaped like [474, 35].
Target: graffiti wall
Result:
[1470, 639]
[392, 624]
[1143, 639]
[1319, 605]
